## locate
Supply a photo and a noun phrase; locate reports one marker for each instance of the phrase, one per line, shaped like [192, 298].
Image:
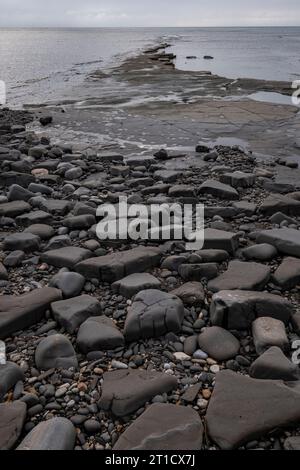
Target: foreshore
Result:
[145, 345]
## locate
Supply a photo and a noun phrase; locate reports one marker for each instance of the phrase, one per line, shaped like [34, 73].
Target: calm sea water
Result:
[39, 65]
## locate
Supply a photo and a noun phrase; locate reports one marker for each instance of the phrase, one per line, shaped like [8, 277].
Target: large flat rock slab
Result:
[12, 418]
[219, 190]
[286, 240]
[111, 268]
[237, 309]
[125, 391]
[153, 314]
[66, 257]
[220, 240]
[241, 275]
[71, 313]
[287, 275]
[134, 283]
[53, 434]
[19, 312]
[279, 203]
[243, 409]
[163, 427]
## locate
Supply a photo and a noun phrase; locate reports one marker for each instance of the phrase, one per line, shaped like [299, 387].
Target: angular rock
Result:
[55, 206]
[80, 222]
[213, 256]
[70, 284]
[21, 241]
[181, 190]
[125, 391]
[34, 217]
[134, 283]
[167, 176]
[99, 334]
[237, 309]
[238, 179]
[268, 332]
[66, 257]
[274, 365]
[286, 240]
[218, 343]
[220, 240]
[118, 265]
[287, 275]
[279, 203]
[197, 272]
[53, 434]
[55, 352]
[10, 374]
[153, 313]
[14, 259]
[17, 193]
[241, 275]
[262, 252]
[41, 230]
[13, 177]
[191, 293]
[19, 312]
[12, 418]
[244, 207]
[60, 241]
[14, 208]
[40, 188]
[219, 190]
[242, 409]
[163, 427]
[71, 313]
[280, 217]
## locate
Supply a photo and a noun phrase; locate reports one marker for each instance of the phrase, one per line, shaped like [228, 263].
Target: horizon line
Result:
[145, 27]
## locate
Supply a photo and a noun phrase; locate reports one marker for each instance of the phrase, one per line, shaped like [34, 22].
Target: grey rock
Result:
[153, 313]
[213, 256]
[17, 193]
[242, 409]
[41, 230]
[79, 222]
[66, 257]
[280, 217]
[118, 265]
[53, 434]
[286, 240]
[70, 284]
[163, 427]
[3, 273]
[125, 391]
[71, 313]
[238, 179]
[236, 309]
[55, 352]
[274, 365]
[197, 272]
[262, 252]
[167, 176]
[287, 275]
[267, 332]
[173, 262]
[99, 334]
[14, 259]
[19, 312]
[292, 443]
[244, 207]
[55, 206]
[279, 203]
[220, 240]
[219, 190]
[40, 188]
[34, 217]
[10, 374]
[218, 343]
[134, 283]
[12, 418]
[242, 276]
[21, 241]
[60, 241]
[191, 293]
[14, 208]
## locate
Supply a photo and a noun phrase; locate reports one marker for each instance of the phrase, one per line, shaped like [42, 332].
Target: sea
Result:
[41, 65]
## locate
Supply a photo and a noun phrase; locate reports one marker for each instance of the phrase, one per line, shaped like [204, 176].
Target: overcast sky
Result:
[149, 12]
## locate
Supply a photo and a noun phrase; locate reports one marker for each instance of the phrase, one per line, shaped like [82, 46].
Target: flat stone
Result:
[287, 275]
[267, 332]
[60, 241]
[134, 283]
[238, 179]
[115, 266]
[66, 257]
[17, 193]
[167, 176]
[224, 212]
[213, 256]
[292, 443]
[71, 313]
[41, 230]
[274, 365]
[3, 273]
[191, 393]
[110, 157]
[237, 309]
[40, 188]
[286, 240]
[242, 409]
[125, 391]
[55, 206]
[173, 262]
[14, 177]
[197, 272]
[10, 374]
[20, 312]
[12, 418]
[53, 434]
[55, 352]
[279, 203]
[241, 275]
[181, 190]
[219, 190]
[218, 343]
[280, 217]
[99, 334]
[21, 241]
[80, 222]
[162, 427]
[244, 207]
[34, 217]
[220, 240]
[262, 252]
[70, 284]
[153, 313]
[191, 293]
[14, 208]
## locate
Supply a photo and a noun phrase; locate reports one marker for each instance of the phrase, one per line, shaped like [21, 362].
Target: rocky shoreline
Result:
[145, 345]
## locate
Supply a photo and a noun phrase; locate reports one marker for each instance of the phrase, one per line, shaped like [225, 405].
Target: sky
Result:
[131, 13]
